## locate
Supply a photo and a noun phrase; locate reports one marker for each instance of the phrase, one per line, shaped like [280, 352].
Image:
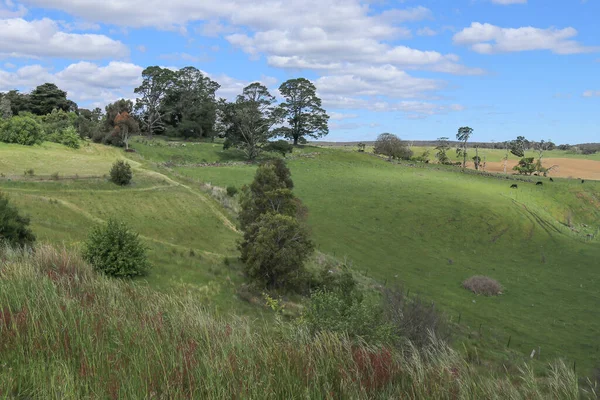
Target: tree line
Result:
[180, 103]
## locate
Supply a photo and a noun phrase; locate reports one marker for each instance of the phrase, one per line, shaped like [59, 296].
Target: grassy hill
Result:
[429, 228]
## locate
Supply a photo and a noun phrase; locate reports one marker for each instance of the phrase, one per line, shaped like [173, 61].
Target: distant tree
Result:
[125, 126]
[463, 135]
[442, 149]
[282, 147]
[19, 102]
[22, 130]
[248, 121]
[47, 97]
[57, 121]
[391, 146]
[115, 250]
[506, 146]
[526, 166]
[518, 146]
[5, 108]
[477, 159]
[107, 133]
[156, 83]
[361, 147]
[88, 122]
[302, 111]
[189, 106]
[14, 228]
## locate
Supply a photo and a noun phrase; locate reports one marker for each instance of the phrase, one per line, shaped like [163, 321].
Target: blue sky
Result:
[419, 69]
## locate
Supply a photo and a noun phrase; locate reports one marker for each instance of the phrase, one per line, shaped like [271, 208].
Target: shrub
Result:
[116, 251]
[483, 285]
[280, 146]
[29, 172]
[22, 130]
[390, 145]
[231, 191]
[120, 173]
[275, 249]
[413, 319]
[14, 228]
[67, 137]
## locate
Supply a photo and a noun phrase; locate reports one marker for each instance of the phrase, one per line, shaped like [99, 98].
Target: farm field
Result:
[432, 228]
[425, 227]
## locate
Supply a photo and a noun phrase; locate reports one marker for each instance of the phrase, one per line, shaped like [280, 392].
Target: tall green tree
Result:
[249, 120]
[19, 102]
[463, 135]
[302, 111]
[190, 105]
[518, 146]
[46, 97]
[156, 82]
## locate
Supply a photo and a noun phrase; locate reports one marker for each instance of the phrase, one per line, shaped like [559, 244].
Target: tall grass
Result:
[67, 333]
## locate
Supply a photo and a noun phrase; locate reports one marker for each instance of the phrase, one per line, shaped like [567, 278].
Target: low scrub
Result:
[483, 285]
[69, 333]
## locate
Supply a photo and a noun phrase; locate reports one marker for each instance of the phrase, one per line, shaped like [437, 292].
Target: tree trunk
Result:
[295, 140]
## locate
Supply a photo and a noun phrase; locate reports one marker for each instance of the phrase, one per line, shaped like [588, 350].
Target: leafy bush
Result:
[22, 130]
[120, 173]
[14, 228]
[67, 136]
[390, 145]
[29, 172]
[413, 319]
[347, 312]
[116, 251]
[231, 191]
[280, 146]
[483, 285]
[275, 249]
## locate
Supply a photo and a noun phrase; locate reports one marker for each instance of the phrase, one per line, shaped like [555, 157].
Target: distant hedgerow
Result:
[116, 250]
[120, 173]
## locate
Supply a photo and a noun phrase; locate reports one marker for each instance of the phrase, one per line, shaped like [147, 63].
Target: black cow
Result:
[514, 186]
[539, 183]
[582, 181]
[551, 180]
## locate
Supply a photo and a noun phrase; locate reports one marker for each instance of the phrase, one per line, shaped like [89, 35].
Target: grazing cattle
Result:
[551, 180]
[582, 181]
[514, 186]
[539, 183]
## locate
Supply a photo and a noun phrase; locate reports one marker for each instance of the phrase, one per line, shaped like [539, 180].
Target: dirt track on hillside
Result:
[567, 168]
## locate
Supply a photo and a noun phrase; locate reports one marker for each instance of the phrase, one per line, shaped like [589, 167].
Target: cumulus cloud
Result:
[591, 93]
[43, 38]
[490, 39]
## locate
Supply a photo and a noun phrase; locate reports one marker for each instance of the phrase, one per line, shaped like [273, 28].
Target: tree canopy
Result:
[302, 111]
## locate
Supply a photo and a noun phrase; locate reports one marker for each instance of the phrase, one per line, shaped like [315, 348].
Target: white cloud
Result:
[491, 39]
[141, 48]
[43, 38]
[336, 116]
[426, 31]
[10, 10]
[591, 93]
[83, 81]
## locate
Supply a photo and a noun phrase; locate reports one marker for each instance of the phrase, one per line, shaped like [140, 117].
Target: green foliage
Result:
[275, 250]
[21, 130]
[231, 191]
[442, 149]
[47, 97]
[67, 136]
[156, 83]
[463, 135]
[302, 111]
[424, 157]
[248, 121]
[361, 147]
[282, 147]
[518, 146]
[14, 228]
[390, 145]
[5, 108]
[120, 173]
[115, 250]
[526, 166]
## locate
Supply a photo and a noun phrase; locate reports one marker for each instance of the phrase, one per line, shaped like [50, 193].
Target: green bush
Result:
[22, 130]
[280, 146]
[231, 191]
[120, 173]
[275, 249]
[116, 251]
[67, 136]
[14, 228]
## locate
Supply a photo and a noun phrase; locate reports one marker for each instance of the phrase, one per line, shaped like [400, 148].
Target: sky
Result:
[417, 68]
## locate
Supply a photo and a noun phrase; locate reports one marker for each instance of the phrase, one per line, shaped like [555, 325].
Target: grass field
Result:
[433, 228]
[429, 228]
